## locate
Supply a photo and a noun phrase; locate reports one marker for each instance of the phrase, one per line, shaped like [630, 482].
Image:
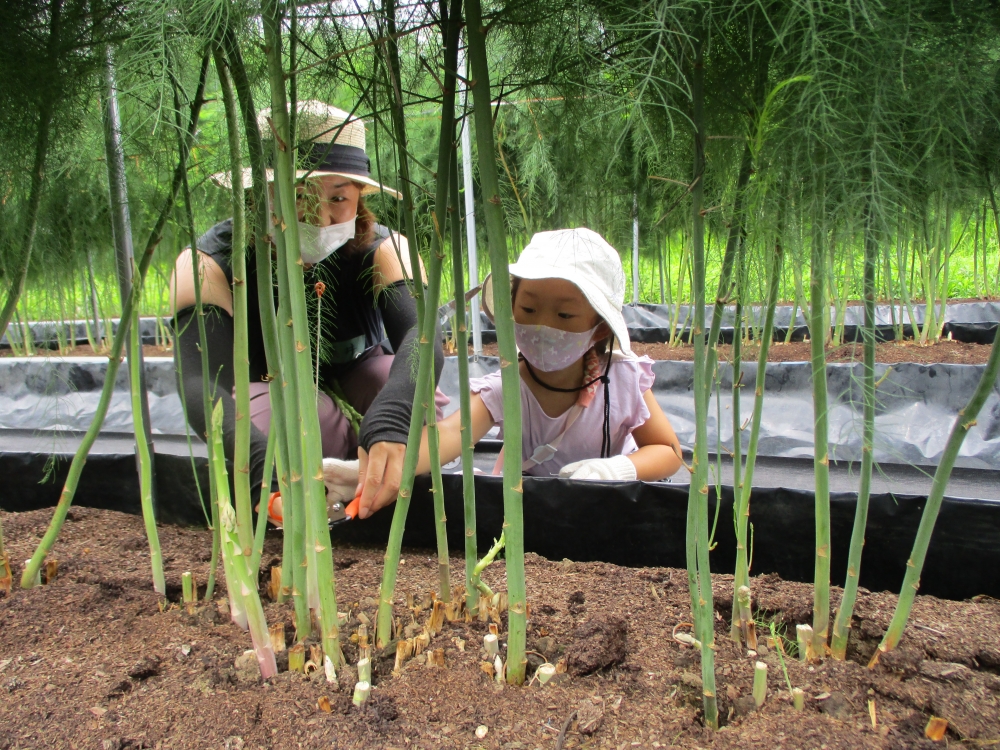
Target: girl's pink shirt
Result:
[630, 379]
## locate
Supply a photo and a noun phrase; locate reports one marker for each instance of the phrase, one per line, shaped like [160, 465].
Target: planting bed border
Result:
[626, 523]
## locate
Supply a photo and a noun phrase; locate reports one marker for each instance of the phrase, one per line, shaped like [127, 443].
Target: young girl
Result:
[587, 411]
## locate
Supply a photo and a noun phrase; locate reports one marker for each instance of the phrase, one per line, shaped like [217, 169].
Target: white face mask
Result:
[550, 349]
[319, 243]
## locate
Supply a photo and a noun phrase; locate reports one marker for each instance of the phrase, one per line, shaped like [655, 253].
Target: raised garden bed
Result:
[90, 660]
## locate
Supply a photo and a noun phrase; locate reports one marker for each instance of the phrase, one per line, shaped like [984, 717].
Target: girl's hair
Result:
[601, 347]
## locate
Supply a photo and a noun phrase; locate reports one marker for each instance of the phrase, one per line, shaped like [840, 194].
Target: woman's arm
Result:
[659, 454]
[450, 434]
[217, 303]
[214, 285]
[386, 425]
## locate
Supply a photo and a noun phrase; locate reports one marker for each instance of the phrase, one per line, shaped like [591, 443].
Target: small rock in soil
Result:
[744, 705]
[590, 715]
[684, 658]
[146, 667]
[836, 706]
[597, 644]
[691, 680]
[547, 647]
[534, 661]
[247, 668]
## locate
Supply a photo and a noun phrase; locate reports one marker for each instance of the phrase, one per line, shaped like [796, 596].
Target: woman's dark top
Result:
[354, 321]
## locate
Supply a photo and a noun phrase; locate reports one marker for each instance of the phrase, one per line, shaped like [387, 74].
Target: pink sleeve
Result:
[646, 376]
[489, 389]
[633, 377]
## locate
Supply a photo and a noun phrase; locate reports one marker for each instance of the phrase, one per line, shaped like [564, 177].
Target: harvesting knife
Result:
[339, 514]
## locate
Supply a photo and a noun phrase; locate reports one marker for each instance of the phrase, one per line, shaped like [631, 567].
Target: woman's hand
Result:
[379, 475]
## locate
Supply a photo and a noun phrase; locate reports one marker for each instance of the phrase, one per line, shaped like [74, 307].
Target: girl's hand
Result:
[379, 475]
[616, 467]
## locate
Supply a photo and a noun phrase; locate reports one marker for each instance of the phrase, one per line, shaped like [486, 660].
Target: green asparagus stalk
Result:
[818, 329]
[428, 324]
[477, 570]
[145, 460]
[509, 375]
[265, 491]
[238, 577]
[915, 564]
[733, 241]
[241, 356]
[744, 487]
[437, 489]
[207, 389]
[464, 398]
[383, 628]
[842, 623]
[699, 574]
[265, 285]
[33, 567]
[287, 240]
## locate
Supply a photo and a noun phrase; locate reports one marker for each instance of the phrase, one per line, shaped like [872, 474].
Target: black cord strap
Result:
[605, 378]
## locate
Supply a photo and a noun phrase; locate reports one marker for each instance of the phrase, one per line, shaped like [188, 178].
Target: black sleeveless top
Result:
[349, 319]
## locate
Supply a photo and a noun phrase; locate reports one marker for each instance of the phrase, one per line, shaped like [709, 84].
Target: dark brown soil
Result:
[950, 352]
[86, 350]
[91, 660]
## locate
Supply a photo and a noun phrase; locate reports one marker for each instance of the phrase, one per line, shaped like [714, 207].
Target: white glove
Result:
[616, 467]
[341, 479]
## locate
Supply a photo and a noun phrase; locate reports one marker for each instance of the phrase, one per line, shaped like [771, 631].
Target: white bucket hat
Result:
[330, 142]
[584, 258]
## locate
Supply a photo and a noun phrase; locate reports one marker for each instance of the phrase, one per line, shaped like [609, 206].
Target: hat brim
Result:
[608, 313]
[369, 186]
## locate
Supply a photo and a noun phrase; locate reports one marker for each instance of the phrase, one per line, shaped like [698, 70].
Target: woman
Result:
[364, 268]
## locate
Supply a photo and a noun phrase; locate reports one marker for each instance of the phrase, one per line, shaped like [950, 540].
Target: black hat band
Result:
[335, 157]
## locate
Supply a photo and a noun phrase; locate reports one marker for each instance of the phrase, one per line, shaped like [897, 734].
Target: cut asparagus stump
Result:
[188, 591]
[361, 692]
[759, 683]
[364, 670]
[804, 639]
[277, 634]
[545, 672]
[798, 699]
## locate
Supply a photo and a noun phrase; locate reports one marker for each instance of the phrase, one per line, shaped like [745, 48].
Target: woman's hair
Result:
[364, 226]
[601, 347]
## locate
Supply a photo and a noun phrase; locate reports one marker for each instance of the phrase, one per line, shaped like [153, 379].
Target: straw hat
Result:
[330, 142]
[582, 257]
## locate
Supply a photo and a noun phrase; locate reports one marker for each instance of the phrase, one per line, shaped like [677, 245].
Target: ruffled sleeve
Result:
[646, 376]
[632, 377]
[489, 389]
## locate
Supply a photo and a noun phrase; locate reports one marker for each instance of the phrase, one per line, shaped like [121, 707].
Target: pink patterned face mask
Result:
[549, 349]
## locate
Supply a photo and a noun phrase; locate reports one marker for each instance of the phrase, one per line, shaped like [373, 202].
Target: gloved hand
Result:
[341, 480]
[616, 467]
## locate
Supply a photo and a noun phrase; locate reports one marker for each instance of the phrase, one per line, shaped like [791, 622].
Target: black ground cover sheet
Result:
[627, 523]
[974, 322]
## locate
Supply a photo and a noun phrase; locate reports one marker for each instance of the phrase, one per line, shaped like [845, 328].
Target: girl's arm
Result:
[659, 454]
[450, 434]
